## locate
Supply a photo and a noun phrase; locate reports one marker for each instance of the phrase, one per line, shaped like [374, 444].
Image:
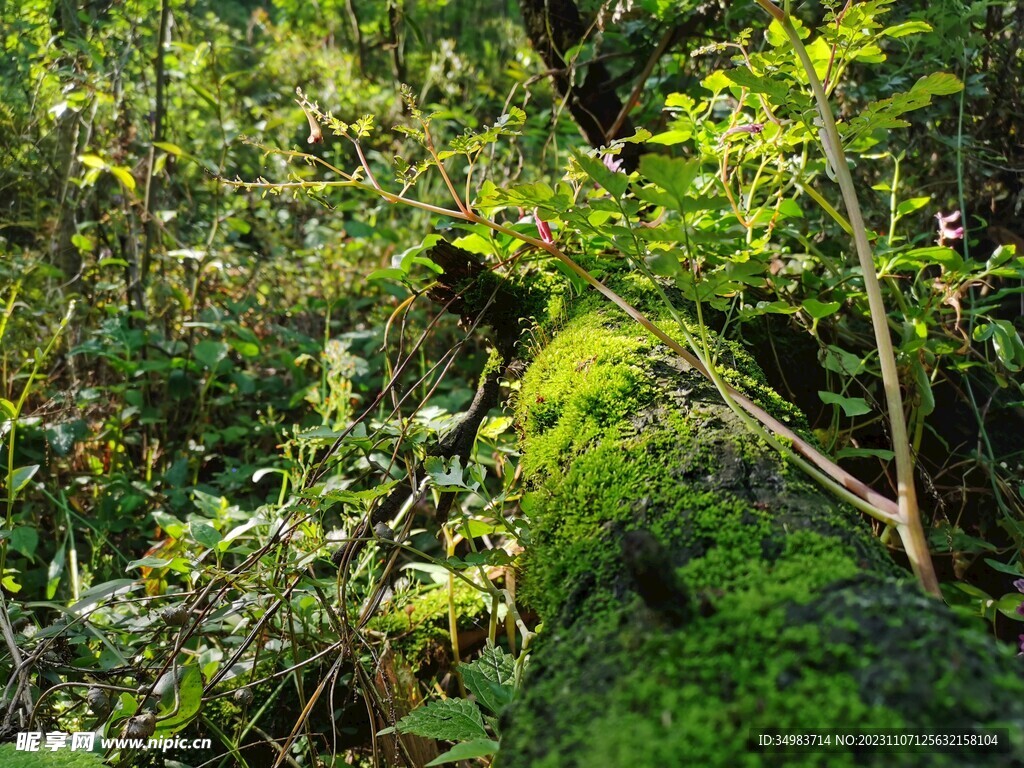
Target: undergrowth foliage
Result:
[253, 378]
[726, 225]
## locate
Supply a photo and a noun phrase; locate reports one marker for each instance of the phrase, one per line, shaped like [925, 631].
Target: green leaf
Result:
[672, 137]
[672, 174]
[474, 528]
[447, 478]
[911, 205]
[1008, 605]
[866, 453]
[83, 243]
[358, 229]
[8, 408]
[745, 273]
[205, 534]
[259, 474]
[171, 525]
[166, 146]
[968, 600]
[906, 28]
[410, 261]
[641, 135]
[210, 353]
[959, 541]
[869, 53]
[320, 433]
[411, 256]
[819, 309]
[494, 556]
[491, 679]
[1013, 570]
[20, 477]
[918, 258]
[716, 82]
[448, 719]
[149, 562]
[361, 497]
[100, 592]
[386, 274]
[1008, 345]
[474, 243]
[124, 176]
[248, 349]
[852, 406]
[25, 539]
[466, 751]
[777, 90]
[789, 208]
[656, 196]
[63, 436]
[615, 183]
[188, 699]
[533, 195]
[579, 285]
[54, 571]
[126, 705]
[211, 506]
[92, 161]
[495, 426]
[664, 263]
[777, 37]
[969, 589]
[924, 389]
[885, 114]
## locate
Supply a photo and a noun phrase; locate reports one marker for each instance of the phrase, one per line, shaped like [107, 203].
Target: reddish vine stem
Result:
[909, 523]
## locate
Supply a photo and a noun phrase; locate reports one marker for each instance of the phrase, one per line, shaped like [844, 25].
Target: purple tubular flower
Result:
[1019, 585]
[751, 129]
[947, 230]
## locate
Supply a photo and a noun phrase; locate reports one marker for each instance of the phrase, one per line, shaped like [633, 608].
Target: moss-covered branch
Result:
[777, 608]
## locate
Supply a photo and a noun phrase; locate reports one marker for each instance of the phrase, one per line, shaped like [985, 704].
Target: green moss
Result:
[804, 621]
[416, 621]
[45, 758]
[612, 441]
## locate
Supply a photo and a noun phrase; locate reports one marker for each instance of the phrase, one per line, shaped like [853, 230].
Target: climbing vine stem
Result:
[909, 525]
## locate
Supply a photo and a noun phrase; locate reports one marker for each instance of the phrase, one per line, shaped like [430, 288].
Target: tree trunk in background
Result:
[63, 252]
[555, 26]
[694, 590]
[152, 188]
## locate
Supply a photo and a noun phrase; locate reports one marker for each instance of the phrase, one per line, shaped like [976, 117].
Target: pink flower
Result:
[542, 228]
[613, 163]
[947, 231]
[751, 129]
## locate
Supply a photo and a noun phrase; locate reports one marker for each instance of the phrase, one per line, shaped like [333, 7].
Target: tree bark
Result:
[695, 591]
[555, 26]
[63, 253]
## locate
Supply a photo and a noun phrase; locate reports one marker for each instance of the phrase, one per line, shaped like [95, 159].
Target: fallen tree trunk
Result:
[695, 591]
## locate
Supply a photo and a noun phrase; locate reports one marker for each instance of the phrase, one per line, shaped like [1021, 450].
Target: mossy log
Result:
[695, 590]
